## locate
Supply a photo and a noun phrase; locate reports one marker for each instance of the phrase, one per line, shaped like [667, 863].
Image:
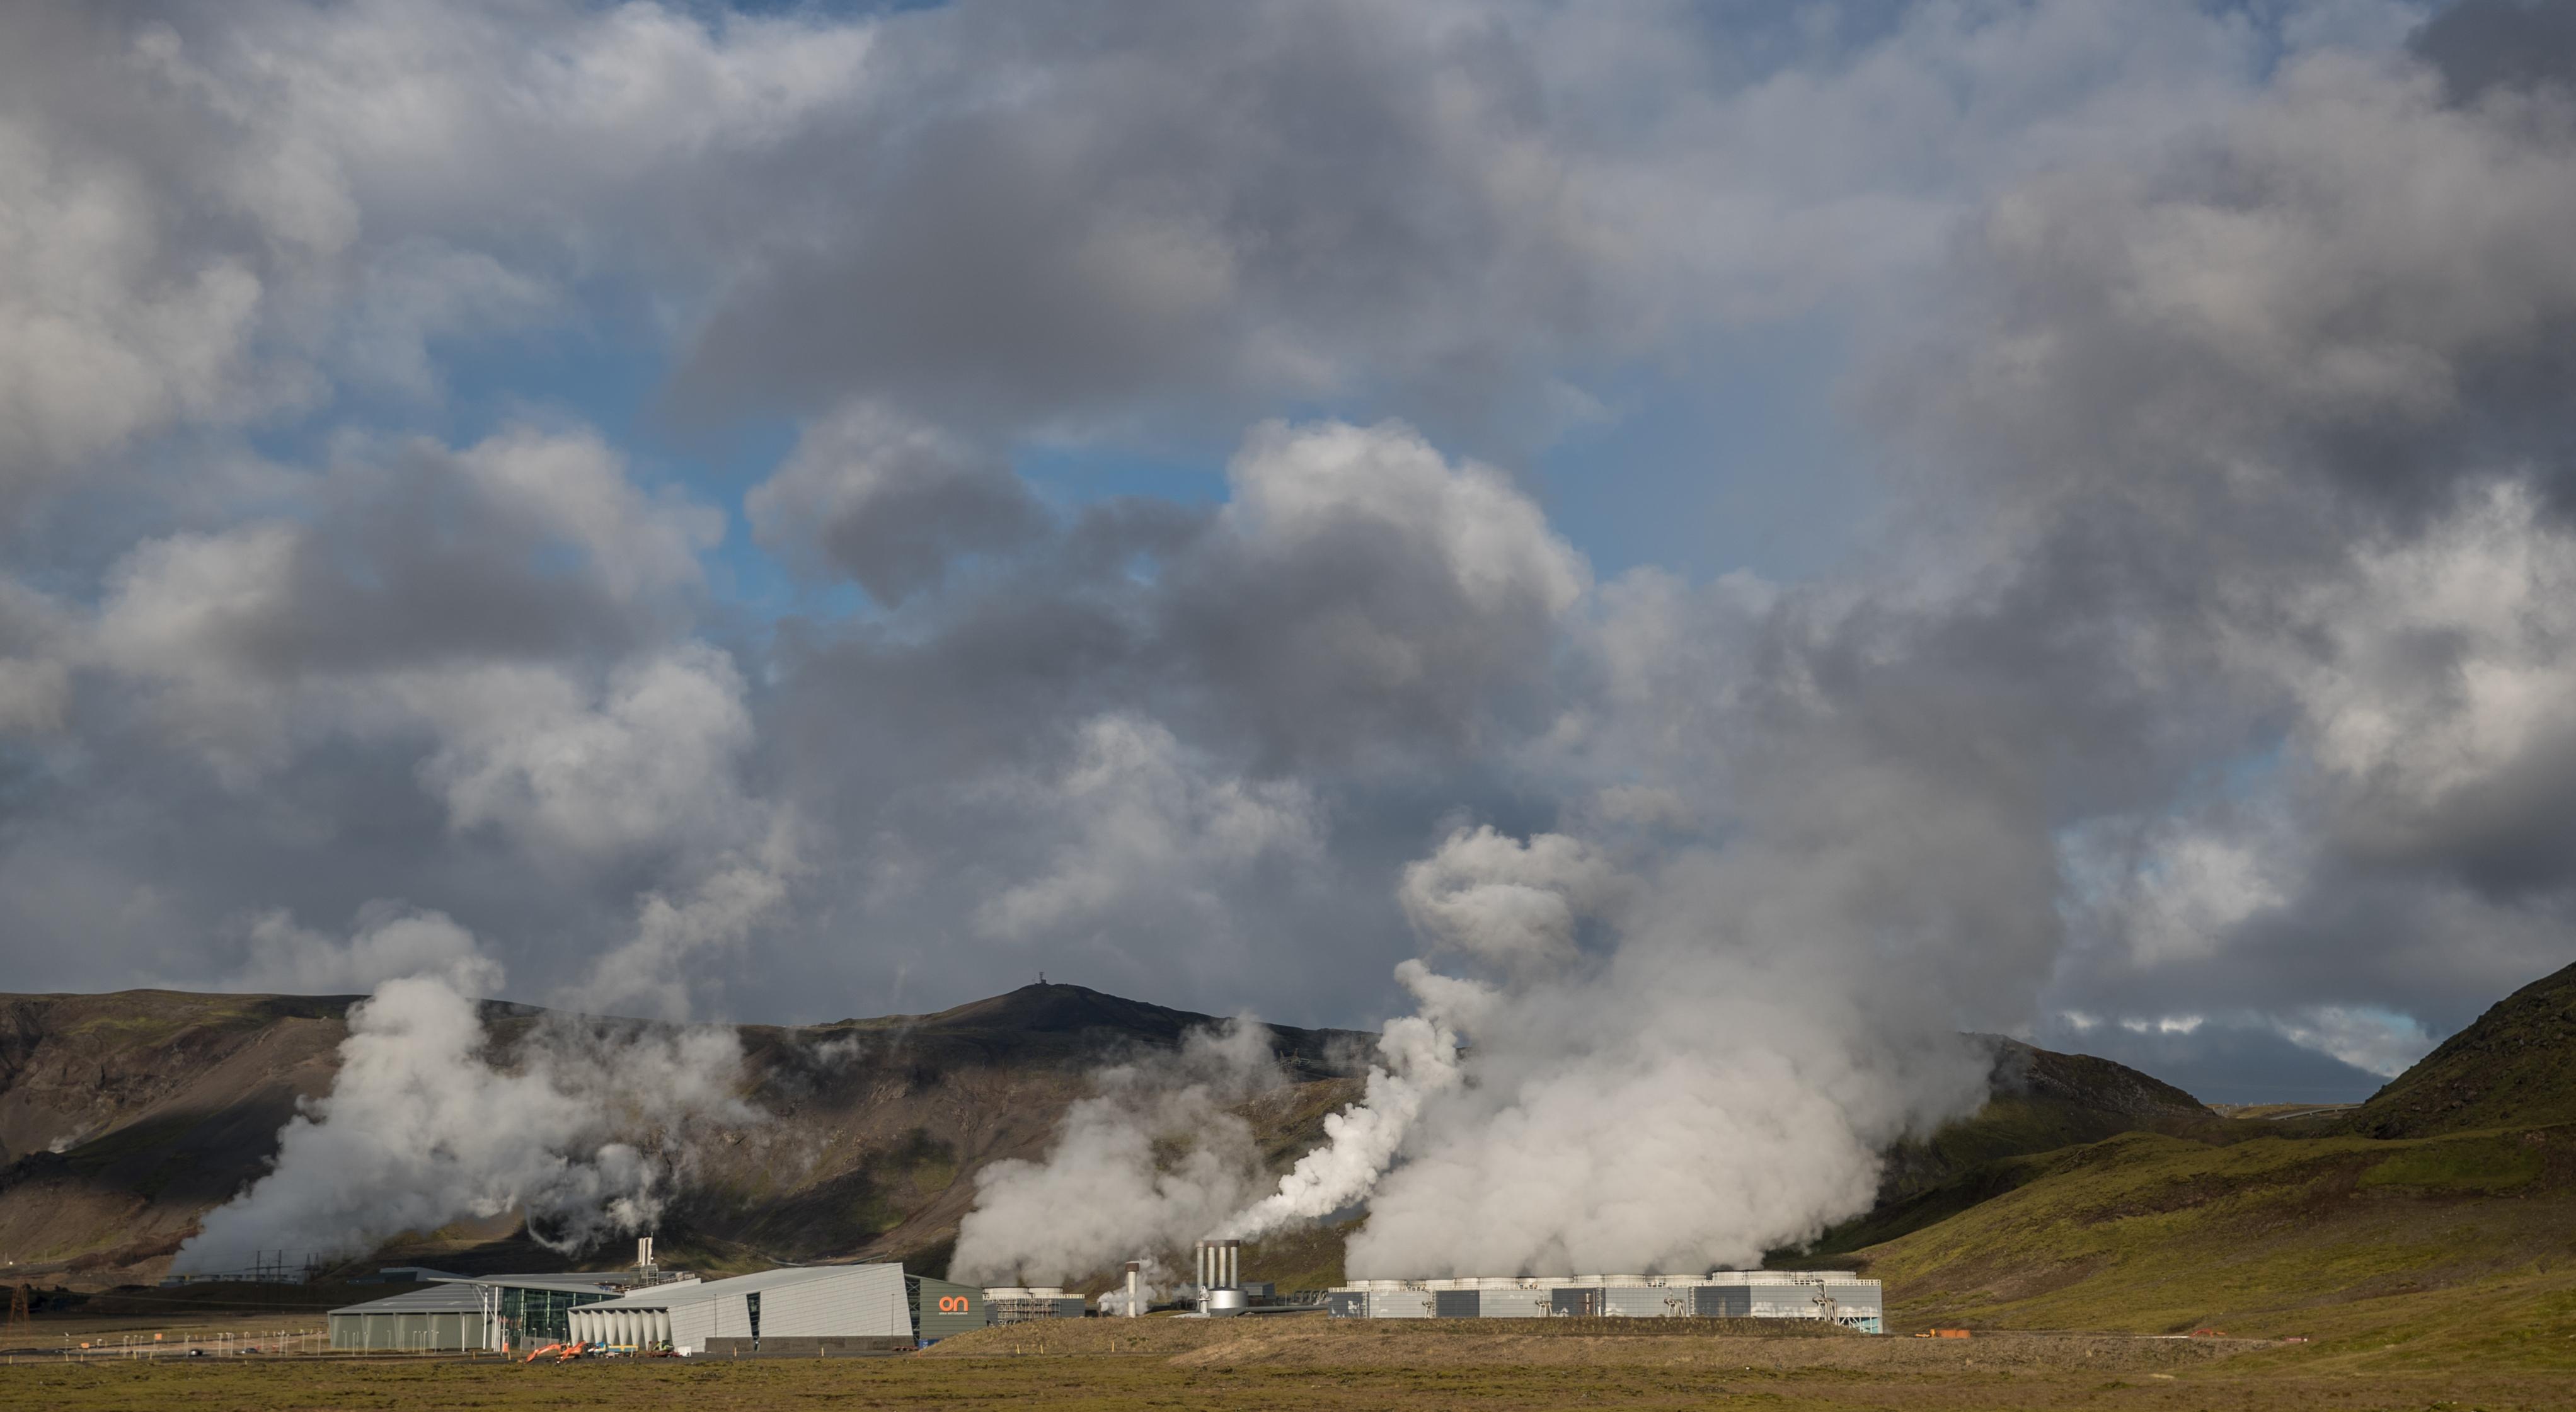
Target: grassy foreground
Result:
[1328, 1366]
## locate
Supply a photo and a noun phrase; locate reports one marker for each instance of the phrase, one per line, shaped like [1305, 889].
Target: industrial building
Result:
[456, 1314]
[1018, 1304]
[1836, 1295]
[800, 1311]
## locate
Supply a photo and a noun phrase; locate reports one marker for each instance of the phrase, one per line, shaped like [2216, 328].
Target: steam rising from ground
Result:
[1151, 1161]
[1715, 1079]
[586, 1127]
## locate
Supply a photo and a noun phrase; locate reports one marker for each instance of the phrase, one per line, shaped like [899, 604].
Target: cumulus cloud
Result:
[1139, 818]
[651, 758]
[889, 501]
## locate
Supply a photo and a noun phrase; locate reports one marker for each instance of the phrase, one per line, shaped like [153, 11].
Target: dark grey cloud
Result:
[1065, 214]
[891, 503]
[2483, 45]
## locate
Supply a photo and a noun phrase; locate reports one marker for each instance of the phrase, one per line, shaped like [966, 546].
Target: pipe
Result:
[1133, 1269]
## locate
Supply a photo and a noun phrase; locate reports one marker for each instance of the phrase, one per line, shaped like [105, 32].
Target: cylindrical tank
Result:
[1223, 1303]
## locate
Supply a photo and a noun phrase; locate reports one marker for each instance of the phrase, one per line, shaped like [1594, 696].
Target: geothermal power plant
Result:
[823, 1311]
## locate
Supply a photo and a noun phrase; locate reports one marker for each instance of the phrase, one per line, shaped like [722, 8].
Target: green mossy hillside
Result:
[2516, 1066]
[2458, 1240]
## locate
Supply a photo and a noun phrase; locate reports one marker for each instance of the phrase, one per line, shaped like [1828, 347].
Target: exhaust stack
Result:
[1220, 1267]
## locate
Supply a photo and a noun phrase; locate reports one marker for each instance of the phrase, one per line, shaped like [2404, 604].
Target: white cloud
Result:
[573, 488]
[1142, 821]
[2377, 1041]
[646, 759]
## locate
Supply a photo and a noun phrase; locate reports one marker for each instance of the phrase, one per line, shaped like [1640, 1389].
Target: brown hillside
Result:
[125, 1117]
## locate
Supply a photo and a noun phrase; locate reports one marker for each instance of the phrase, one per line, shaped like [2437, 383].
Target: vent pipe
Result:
[1135, 1304]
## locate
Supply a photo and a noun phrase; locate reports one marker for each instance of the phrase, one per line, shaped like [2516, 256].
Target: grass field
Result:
[1330, 1366]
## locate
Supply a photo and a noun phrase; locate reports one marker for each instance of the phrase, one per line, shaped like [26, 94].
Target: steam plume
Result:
[1147, 1163]
[586, 1128]
[1682, 1097]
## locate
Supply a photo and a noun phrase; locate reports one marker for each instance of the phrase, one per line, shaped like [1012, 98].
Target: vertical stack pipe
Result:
[1134, 1300]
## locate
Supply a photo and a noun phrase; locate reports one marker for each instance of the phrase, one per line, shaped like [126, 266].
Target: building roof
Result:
[695, 1292]
[448, 1294]
[435, 1299]
[576, 1282]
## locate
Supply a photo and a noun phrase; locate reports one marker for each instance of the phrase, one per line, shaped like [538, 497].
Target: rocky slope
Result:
[2516, 1066]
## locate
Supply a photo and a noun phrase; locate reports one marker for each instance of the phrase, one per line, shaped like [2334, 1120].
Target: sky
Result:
[782, 513]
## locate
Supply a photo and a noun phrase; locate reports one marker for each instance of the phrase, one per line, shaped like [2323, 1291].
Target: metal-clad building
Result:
[1399, 1302]
[443, 1318]
[807, 1309]
[941, 1308]
[1017, 1304]
[1835, 1295]
[458, 1313]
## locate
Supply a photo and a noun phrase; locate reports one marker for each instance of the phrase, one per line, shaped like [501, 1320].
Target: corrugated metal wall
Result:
[406, 1333]
[852, 1300]
[1456, 1304]
[1513, 1303]
[1722, 1301]
[1400, 1304]
[1644, 1302]
[692, 1324]
[733, 1315]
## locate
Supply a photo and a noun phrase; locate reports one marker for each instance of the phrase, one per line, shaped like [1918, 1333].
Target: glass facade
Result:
[537, 1315]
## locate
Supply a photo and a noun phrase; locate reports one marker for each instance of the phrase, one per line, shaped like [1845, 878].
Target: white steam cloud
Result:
[1682, 1096]
[585, 1127]
[1675, 1065]
[1150, 1161]
[1422, 1059]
